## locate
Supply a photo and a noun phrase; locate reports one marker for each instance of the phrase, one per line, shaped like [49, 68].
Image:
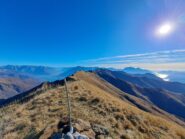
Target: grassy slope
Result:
[40, 115]
[140, 103]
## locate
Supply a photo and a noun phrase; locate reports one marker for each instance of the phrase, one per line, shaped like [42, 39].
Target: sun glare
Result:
[165, 29]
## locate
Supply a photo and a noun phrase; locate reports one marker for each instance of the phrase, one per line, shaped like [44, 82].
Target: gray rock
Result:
[100, 130]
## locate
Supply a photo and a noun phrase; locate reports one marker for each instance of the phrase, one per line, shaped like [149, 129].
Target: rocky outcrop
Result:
[93, 131]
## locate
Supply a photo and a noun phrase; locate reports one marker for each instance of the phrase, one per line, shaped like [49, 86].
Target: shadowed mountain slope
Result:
[145, 81]
[168, 101]
[11, 86]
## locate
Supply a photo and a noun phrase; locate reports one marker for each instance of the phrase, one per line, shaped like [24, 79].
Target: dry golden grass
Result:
[39, 116]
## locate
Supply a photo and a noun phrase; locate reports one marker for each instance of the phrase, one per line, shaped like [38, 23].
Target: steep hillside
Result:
[11, 86]
[97, 111]
[135, 97]
[168, 101]
[145, 81]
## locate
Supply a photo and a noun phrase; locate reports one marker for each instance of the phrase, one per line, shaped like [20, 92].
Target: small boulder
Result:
[100, 130]
[81, 125]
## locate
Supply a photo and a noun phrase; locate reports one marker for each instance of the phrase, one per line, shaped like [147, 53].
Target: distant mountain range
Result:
[175, 76]
[133, 70]
[43, 73]
[17, 79]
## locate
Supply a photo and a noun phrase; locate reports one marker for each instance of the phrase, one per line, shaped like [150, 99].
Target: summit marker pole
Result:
[68, 104]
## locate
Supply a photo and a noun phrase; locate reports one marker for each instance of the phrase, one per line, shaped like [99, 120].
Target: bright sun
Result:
[165, 29]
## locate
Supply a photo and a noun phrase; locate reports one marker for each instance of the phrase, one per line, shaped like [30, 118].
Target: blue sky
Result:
[71, 32]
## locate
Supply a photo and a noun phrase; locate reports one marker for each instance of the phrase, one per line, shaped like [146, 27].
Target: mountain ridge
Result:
[94, 101]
